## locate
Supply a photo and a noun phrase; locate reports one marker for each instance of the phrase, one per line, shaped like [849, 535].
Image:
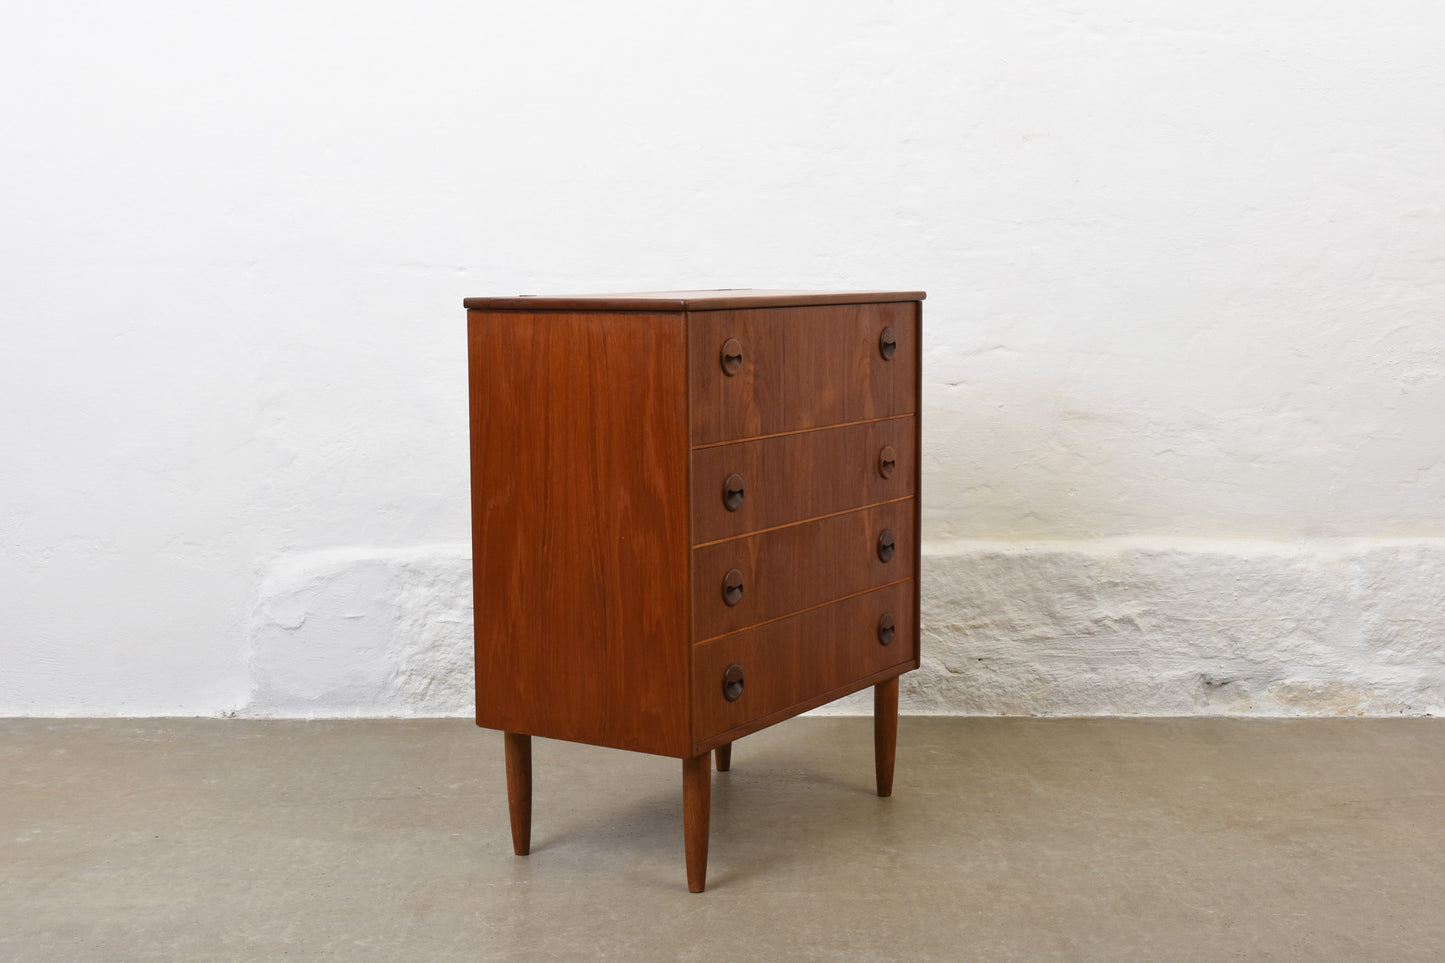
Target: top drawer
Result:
[772, 370]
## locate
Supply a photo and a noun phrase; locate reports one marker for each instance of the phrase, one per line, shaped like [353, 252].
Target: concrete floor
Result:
[1199, 839]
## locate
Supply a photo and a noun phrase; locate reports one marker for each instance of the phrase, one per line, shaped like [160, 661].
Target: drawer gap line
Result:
[804, 431]
[804, 521]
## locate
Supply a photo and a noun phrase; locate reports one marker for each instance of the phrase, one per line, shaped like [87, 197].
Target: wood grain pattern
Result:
[803, 367]
[580, 527]
[790, 569]
[793, 477]
[685, 300]
[788, 662]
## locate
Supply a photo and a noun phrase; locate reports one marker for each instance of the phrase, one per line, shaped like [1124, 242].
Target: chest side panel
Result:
[580, 526]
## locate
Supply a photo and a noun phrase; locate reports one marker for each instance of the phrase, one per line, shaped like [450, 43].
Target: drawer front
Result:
[751, 485]
[776, 573]
[790, 661]
[799, 368]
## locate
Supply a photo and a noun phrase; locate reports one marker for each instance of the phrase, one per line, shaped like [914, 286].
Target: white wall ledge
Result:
[1111, 627]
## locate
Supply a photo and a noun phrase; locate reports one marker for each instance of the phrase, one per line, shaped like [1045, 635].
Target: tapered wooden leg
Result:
[885, 733]
[724, 755]
[696, 813]
[519, 789]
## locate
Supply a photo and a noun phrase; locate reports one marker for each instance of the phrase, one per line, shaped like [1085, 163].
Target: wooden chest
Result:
[694, 514]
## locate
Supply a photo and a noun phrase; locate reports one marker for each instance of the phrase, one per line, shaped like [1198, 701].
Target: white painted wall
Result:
[1185, 334]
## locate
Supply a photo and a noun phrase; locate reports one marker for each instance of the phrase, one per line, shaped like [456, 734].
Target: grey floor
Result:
[1005, 839]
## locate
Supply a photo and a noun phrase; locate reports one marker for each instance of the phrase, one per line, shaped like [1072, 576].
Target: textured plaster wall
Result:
[1185, 342]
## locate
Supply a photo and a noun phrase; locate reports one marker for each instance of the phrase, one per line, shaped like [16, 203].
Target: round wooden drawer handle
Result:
[887, 544]
[887, 343]
[732, 357]
[886, 628]
[733, 492]
[887, 461]
[733, 682]
[733, 587]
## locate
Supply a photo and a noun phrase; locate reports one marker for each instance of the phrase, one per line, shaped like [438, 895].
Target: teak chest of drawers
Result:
[694, 514]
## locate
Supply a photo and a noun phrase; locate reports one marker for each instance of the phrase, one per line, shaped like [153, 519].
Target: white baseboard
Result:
[1109, 627]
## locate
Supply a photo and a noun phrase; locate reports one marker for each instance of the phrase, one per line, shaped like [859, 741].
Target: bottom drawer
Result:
[788, 662]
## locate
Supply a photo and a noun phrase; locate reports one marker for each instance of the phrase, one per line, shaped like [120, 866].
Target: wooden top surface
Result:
[715, 300]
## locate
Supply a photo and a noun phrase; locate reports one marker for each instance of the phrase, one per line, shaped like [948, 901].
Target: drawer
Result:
[799, 368]
[798, 567]
[790, 661]
[751, 485]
